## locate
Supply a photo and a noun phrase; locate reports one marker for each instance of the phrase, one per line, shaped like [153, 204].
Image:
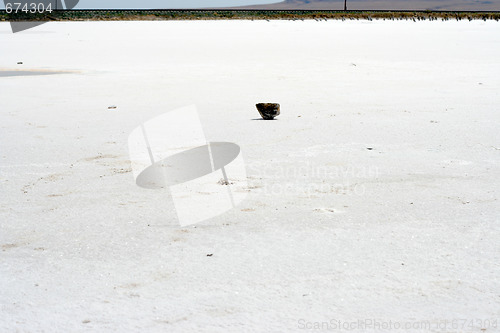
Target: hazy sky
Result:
[160, 4]
[171, 4]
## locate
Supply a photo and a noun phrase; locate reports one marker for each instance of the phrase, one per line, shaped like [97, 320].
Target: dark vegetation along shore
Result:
[144, 15]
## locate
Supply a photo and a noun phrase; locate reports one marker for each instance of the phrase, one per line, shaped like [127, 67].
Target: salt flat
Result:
[374, 196]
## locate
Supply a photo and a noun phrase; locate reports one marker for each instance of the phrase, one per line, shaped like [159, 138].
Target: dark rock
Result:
[268, 110]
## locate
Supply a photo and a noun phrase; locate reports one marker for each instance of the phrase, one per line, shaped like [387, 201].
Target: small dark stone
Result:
[210, 254]
[268, 110]
[20, 63]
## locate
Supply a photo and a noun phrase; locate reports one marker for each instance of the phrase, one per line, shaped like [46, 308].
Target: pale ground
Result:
[408, 231]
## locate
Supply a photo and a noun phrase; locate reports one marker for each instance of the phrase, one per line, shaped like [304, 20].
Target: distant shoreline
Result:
[152, 15]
